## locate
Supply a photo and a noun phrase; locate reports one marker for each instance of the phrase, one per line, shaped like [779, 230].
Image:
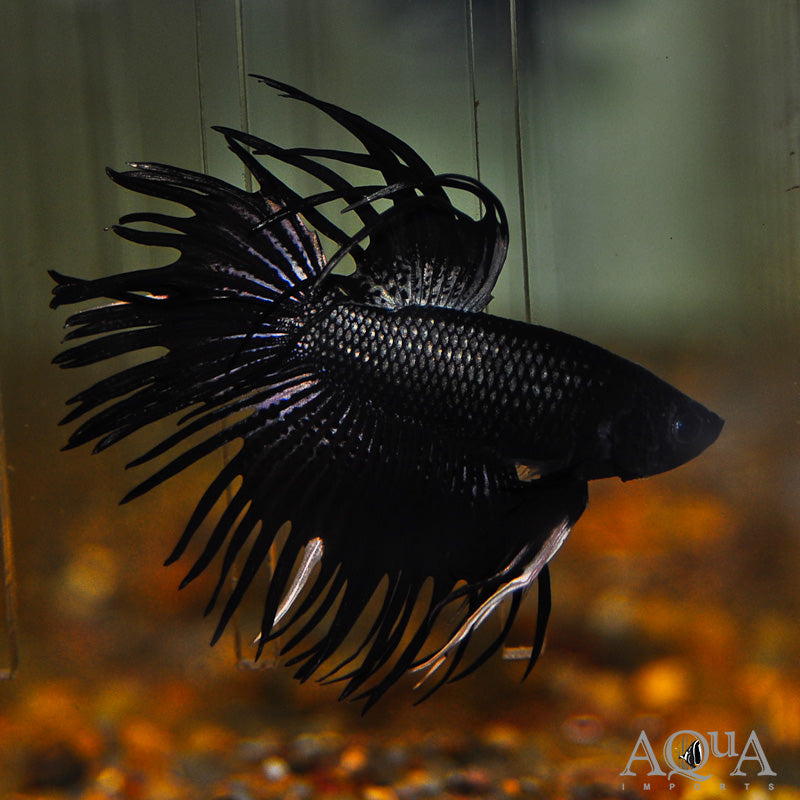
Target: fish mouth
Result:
[711, 430]
[719, 424]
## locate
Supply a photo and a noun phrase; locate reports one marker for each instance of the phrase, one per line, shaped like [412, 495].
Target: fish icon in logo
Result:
[692, 756]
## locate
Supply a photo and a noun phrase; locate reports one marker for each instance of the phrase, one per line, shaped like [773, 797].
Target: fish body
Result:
[526, 393]
[409, 437]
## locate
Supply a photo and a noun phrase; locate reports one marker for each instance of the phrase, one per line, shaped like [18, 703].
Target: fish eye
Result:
[686, 427]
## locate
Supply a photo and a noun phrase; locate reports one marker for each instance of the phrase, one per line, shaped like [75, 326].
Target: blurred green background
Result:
[660, 164]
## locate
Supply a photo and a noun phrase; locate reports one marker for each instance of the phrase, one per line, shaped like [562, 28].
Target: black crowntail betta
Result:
[408, 436]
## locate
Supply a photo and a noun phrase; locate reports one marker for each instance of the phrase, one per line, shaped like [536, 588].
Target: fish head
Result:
[660, 429]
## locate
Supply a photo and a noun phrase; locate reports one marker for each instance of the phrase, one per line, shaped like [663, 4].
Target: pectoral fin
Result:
[529, 470]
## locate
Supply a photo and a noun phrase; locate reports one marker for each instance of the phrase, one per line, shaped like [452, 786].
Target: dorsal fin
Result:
[426, 252]
[423, 250]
